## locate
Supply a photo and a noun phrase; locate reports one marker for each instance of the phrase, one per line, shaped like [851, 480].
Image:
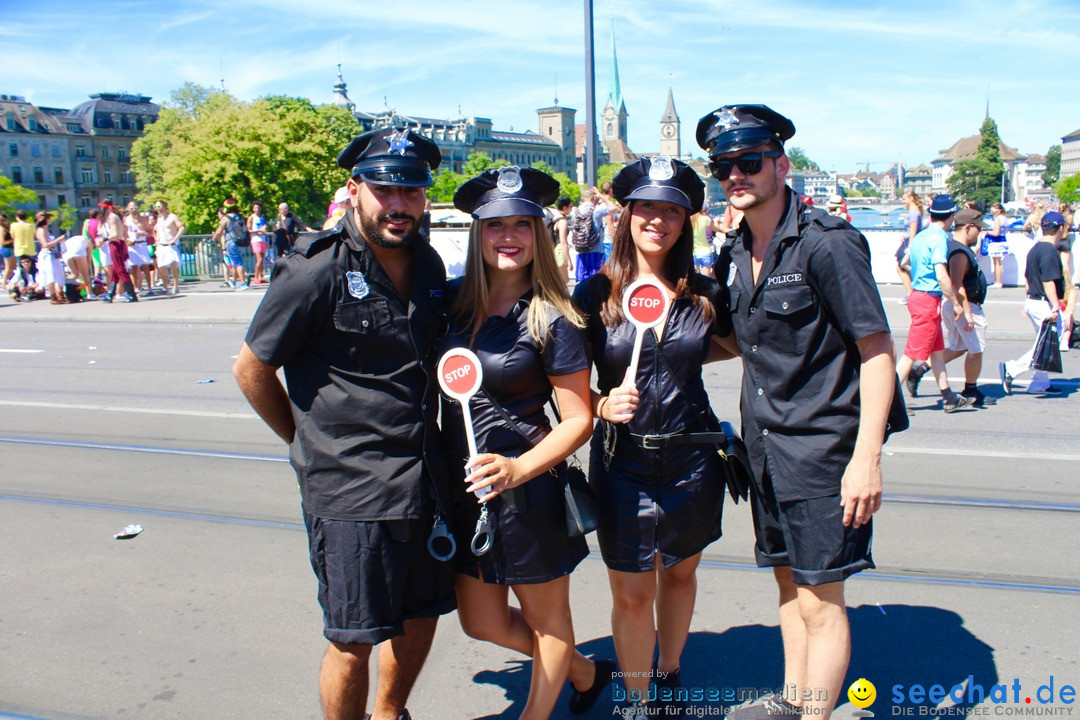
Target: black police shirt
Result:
[1043, 265]
[797, 327]
[671, 392]
[516, 371]
[360, 370]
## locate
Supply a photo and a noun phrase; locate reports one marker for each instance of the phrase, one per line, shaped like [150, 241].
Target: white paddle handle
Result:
[470, 440]
[635, 354]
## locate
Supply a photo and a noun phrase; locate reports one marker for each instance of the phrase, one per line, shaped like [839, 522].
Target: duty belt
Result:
[659, 442]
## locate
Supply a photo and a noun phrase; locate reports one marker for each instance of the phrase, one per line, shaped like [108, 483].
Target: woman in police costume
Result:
[511, 308]
[658, 481]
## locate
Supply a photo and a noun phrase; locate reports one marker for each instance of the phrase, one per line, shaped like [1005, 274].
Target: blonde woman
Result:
[512, 309]
[996, 245]
[913, 220]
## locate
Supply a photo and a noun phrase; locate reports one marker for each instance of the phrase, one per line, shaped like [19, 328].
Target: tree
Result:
[1053, 166]
[207, 145]
[567, 187]
[607, 173]
[799, 160]
[980, 178]
[67, 216]
[12, 196]
[1068, 190]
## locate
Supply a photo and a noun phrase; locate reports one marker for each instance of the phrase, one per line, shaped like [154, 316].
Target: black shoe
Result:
[581, 700]
[770, 708]
[915, 375]
[1052, 391]
[980, 399]
[673, 707]
[956, 402]
[403, 716]
[1006, 379]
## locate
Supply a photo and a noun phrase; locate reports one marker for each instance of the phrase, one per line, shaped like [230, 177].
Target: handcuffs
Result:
[441, 531]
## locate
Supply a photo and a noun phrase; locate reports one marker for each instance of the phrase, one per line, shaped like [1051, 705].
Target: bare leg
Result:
[937, 366]
[903, 367]
[793, 634]
[675, 596]
[546, 608]
[400, 662]
[828, 644]
[632, 625]
[972, 368]
[343, 681]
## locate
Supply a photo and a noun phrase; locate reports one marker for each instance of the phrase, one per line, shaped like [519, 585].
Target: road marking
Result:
[957, 452]
[981, 503]
[145, 411]
[143, 449]
[16, 350]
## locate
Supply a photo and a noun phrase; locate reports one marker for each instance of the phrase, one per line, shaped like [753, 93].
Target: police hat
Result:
[740, 127]
[391, 156]
[507, 191]
[660, 178]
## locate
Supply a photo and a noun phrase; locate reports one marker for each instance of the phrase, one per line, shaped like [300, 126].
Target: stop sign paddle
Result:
[460, 377]
[645, 305]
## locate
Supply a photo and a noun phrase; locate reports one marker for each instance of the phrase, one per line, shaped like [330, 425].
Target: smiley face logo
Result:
[862, 693]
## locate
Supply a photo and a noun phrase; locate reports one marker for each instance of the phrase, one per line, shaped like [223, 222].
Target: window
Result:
[87, 175]
[39, 175]
[58, 175]
[11, 125]
[41, 201]
[105, 151]
[13, 149]
[84, 201]
[121, 153]
[126, 178]
[16, 175]
[108, 176]
[61, 199]
[80, 151]
[74, 128]
[35, 150]
[34, 128]
[56, 151]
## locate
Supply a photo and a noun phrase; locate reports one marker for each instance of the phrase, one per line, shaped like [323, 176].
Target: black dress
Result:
[669, 500]
[530, 543]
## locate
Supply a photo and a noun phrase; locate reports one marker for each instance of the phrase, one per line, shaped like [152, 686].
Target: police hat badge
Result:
[399, 141]
[509, 179]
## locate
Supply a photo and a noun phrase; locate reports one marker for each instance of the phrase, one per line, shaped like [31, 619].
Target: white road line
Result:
[113, 408]
[15, 350]
[956, 452]
[1054, 380]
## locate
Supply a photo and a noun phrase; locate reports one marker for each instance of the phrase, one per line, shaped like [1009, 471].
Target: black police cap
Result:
[507, 191]
[392, 156]
[740, 127]
[660, 178]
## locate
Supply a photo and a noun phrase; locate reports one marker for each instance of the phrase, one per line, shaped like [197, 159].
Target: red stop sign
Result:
[646, 304]
[460, 374]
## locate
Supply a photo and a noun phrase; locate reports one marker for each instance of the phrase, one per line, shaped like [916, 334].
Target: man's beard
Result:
[372, 233]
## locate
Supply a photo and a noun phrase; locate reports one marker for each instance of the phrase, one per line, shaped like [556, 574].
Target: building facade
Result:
[73, 157]
[1070, 154]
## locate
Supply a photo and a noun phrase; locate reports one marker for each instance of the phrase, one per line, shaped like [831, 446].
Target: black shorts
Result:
[668, 501]
[808, 536]
[373, 576]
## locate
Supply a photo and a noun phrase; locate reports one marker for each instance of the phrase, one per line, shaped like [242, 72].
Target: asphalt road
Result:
[211, 611]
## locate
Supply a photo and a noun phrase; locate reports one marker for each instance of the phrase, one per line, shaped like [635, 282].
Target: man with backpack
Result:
[233, 234]
[587, 235]
[970, 283]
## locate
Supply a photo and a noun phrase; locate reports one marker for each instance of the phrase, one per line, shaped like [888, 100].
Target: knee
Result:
[820, 615]
[674, 581]
[349, 660]
[549, 620]
[478, 626]
[633, 605]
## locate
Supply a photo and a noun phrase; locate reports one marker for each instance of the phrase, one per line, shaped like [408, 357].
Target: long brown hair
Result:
[622, 269]
[549, 288]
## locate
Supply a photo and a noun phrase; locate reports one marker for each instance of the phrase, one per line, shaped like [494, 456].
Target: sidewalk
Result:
[207, 302]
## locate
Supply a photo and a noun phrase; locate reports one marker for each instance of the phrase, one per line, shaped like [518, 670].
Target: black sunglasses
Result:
[748, 164]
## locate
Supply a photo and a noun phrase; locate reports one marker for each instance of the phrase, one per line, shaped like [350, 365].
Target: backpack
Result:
[236, 231]
[583, 233]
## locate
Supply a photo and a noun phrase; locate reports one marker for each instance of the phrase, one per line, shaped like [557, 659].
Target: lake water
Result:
[866, 218]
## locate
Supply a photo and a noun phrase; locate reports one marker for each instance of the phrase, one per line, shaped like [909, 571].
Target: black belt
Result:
[659, 442]
[1038, 297]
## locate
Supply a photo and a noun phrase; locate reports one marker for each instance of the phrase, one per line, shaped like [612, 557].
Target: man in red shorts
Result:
[930, 282]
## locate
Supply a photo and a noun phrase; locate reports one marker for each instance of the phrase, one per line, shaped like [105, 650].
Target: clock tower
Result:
[670, 126]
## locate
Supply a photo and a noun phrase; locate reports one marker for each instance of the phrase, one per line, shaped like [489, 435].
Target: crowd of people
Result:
[122, 254]
[360, 313]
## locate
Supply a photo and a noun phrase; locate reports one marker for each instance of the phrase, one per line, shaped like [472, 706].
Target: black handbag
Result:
[582, 507]
[737, 472]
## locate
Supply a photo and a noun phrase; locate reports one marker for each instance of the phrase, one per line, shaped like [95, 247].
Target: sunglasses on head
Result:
[748, 164]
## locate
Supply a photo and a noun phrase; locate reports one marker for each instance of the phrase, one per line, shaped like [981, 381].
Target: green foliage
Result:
[567, 187]
[67, 217]
[799, 160]
[980, 178]
[1068, 190]
[446, 184]
[477, 163]
[1053, 166]
[207, 146]
[607, 173]
[12, 195]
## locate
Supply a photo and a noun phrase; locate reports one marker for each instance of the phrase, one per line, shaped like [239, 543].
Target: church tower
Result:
[670, 127]
[614, 117]
[341, 93]
[557, 125]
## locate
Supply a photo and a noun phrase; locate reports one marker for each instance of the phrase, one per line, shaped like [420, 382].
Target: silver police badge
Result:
[726, 117]
[399, 141]
[733, 270]
[358, 286]
[661, 169]
[509, 180]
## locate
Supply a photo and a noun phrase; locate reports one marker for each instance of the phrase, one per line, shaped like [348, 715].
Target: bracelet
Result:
[600, 407]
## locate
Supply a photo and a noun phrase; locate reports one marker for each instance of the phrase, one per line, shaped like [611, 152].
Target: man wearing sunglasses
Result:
[818, 383]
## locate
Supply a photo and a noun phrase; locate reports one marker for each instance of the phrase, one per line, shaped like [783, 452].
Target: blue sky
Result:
[863, 82]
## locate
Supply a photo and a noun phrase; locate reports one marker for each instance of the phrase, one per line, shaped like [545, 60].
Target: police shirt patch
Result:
[435, 293]
[358, 286]
[786, 279]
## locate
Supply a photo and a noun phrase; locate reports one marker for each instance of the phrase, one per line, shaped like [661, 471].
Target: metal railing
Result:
[202, 259]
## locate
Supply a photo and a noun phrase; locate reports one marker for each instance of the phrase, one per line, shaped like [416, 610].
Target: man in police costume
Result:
[818, 381]
[353, 316]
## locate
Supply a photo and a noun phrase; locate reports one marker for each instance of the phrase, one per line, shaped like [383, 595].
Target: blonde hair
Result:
[549, 287]
[913, 196]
